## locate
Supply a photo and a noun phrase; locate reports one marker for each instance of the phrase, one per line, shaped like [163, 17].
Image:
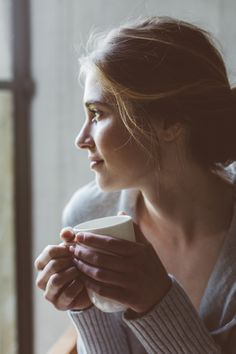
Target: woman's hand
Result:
[59, 278]
[131, 274]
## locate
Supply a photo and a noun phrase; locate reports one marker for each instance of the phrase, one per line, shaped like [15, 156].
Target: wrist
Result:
[132, 314]
[83, 309]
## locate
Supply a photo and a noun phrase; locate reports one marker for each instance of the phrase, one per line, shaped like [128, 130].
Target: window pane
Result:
[5, 40]
[7, 252]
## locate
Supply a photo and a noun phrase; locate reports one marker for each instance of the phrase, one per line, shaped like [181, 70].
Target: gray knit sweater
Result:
[173, 326]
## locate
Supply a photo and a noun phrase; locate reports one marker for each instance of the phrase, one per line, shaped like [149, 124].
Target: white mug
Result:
[120, 226]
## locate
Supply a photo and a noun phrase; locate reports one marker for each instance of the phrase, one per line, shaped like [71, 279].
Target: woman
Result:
[159, 132]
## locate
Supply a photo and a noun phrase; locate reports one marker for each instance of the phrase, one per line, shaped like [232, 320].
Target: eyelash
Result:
[94, 112]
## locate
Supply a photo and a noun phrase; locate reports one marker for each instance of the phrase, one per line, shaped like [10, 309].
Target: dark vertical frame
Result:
[23, 90]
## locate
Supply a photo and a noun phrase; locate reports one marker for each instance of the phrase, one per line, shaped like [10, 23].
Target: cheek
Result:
[131, 155]
[115, 144]
[111, 138]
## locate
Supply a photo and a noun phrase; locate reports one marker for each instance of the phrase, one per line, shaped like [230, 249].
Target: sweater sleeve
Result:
[173, 326]
[100, 332]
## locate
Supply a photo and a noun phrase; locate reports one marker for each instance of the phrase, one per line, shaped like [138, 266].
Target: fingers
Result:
[58, 281]
[69, 295]
[99, 259]
[67, 235]
[111, 292]
[56, 251]
[121, 213]
[51, 252]
[80, 301]
[53, 266]
[106, 243]
[103, 275]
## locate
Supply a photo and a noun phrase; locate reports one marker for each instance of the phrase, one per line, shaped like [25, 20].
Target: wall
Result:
[58, 29]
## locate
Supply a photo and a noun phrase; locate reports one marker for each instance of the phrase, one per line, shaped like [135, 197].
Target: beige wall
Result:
[58, 168]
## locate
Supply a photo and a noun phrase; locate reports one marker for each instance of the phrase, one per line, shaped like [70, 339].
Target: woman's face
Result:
[117, 160]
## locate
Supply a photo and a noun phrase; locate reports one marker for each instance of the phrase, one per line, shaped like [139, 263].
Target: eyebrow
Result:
[101, 103]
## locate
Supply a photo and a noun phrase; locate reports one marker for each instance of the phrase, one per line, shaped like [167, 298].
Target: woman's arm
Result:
[60, 281]
[100, 332]
[163, 321]
[173, 326]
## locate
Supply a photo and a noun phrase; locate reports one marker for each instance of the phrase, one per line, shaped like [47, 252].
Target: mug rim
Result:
[81, 227]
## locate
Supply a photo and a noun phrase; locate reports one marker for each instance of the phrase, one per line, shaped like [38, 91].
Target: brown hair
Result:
[160, 67]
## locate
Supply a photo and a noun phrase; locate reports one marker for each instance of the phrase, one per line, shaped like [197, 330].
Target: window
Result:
[16, 90]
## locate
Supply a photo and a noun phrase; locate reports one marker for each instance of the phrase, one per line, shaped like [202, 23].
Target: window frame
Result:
[22, 87]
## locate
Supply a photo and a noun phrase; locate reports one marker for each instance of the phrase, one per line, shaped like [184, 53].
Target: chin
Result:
[109, 185]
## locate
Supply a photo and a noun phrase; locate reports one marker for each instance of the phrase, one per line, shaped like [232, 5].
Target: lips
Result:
[94, 162]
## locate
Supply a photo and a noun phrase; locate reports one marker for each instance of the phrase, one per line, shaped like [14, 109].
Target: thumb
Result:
[121, 213]
[67, 234]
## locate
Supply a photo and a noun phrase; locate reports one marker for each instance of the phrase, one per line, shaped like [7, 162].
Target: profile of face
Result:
[122, 162]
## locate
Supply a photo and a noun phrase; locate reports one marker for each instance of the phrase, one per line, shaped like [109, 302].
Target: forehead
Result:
[93, 91]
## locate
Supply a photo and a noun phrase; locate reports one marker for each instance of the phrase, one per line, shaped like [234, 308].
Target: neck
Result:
[198, 204]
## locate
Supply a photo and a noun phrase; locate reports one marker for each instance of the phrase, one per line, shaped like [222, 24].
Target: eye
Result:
[96, 115]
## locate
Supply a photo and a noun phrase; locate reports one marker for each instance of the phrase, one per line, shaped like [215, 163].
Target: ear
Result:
[172, 132]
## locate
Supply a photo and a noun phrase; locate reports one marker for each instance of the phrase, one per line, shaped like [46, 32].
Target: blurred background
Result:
[40, 114]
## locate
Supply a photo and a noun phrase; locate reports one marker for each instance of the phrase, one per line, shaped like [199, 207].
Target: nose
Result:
[84, 139]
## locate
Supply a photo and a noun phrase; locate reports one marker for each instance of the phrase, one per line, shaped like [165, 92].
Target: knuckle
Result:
[51, 251]
[67, 297]
[64, 301]
[78, 252]
[82, 267]
[53, 265]
[47, 296]
[96, 259]
[88, 235]
[39, 283]
[55, 280]
[62, 308]
[70, 291]
[48, 248]
[98, 274]
[59, 306]
[36, 263]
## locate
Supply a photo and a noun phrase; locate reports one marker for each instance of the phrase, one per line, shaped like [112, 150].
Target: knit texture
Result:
[172, 326]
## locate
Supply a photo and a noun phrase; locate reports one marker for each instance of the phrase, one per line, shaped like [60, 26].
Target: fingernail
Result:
[80, 237]
[72, 249]
[66, 229]
[120, 213]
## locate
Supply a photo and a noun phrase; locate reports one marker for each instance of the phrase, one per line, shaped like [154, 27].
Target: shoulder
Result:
[89, 202]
